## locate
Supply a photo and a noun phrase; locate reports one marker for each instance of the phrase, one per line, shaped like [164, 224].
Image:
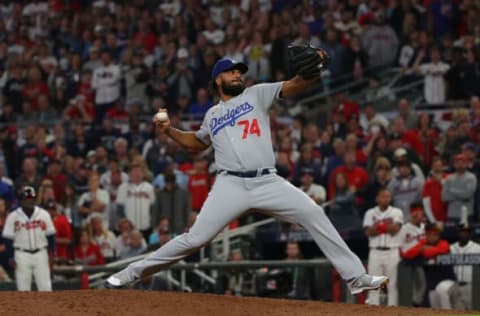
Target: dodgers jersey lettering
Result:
[239, 129]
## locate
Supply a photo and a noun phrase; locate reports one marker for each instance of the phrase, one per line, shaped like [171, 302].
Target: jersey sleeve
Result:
[368, 220]
[203, 134]
[50, 230]
[266, 93]
[9, 229]
[398, 217]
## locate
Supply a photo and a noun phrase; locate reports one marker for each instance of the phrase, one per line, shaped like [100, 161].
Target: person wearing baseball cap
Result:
[464, 245]
[236, 86]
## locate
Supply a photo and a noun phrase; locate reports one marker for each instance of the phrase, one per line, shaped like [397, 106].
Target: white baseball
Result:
[161, 116]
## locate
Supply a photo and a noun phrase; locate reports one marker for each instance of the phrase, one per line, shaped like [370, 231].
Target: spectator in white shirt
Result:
[94, 202]
[106, 83]
[434, 87]
[313, 190]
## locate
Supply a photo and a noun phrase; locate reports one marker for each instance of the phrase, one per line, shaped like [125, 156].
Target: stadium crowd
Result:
[81, 79]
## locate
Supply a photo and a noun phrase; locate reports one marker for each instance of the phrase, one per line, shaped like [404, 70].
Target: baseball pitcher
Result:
[238, 129]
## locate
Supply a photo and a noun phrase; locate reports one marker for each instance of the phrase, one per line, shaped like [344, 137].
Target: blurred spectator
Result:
[58, 178]
[136, 245]
[34, 87]
[307, 160]
[382, 225]
[7, 193]
[121, 152]
[198, 109]
[357, 177]
[124, 228]
[29, 176]
[434, 71]
[136, 77]
[429, 137]
[107, 135]
[440, 279]
[80, 109]
[380, 41]
[464, 245]
[45, 112]
[162, 233]
[13, 89]
[199, 183]
[94, 202]
[342, 209]
[381, 178]
[458, 189]
[173, 203]
[432, 189]
[135, 200]
[444, 15]
[313, 190]
[106, 83]
[4, 257]
[102, 237]
[64, 235]
[409, 138]
[301, 282]
[406, 187]
[335, 50]
[369, 118]
[85, 251]
[335, 160]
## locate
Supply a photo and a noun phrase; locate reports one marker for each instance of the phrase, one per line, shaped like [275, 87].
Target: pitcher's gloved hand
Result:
[307, 61]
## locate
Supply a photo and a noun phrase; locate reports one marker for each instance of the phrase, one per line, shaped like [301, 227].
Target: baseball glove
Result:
[306, 61]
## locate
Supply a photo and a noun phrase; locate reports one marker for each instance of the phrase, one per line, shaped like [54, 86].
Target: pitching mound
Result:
[129, 302]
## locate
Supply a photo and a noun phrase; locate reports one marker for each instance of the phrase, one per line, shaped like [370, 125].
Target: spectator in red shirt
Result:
[433, 190]
[145, 37]
[118, 112]
[85, 86]
[86, 252]
[54, 173]
[199, 183]
[357, 177]
[34, 87]
[80, 109]
[63, 236]
[428, 137]
[409, 138]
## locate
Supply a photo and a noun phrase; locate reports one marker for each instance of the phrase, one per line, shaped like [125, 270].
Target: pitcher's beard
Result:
[233, 90]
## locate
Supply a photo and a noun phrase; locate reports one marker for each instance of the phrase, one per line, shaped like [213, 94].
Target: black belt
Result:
[384, 248]
[30, 251]
[462, 283]
[249, 173]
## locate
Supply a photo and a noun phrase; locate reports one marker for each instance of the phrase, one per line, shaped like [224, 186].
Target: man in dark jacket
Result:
[174, 203]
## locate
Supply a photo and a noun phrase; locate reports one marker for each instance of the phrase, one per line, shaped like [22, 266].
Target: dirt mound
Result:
[129, 302]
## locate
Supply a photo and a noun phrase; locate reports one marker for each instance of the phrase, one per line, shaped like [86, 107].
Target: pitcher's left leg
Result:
[282, 199]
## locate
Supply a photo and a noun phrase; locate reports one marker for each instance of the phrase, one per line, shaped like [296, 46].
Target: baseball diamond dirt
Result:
[130, 302]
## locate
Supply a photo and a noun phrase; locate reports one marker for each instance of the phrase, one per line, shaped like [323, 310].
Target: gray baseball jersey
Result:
[239, 131]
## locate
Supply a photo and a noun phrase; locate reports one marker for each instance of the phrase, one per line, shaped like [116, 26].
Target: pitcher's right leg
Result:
[226, 201]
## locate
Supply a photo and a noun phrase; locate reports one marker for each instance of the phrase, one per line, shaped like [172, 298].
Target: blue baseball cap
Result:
[227, 64]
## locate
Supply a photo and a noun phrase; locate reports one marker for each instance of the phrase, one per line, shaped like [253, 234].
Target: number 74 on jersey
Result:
[249, 127]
